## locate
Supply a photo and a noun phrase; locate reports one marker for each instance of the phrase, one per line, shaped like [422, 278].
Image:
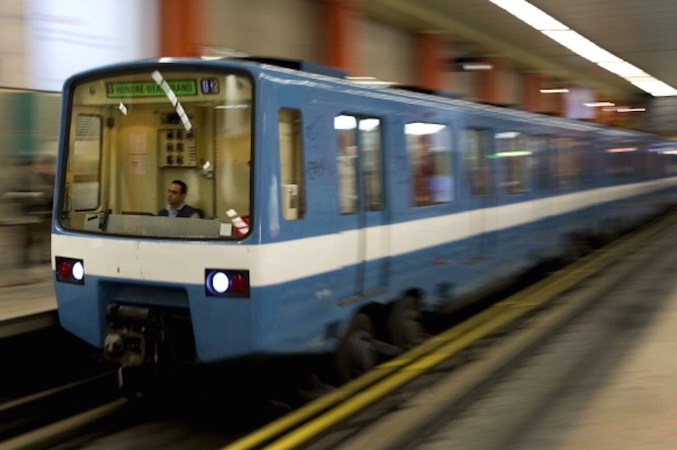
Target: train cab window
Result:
[359, 163]
[429, 148]
[515, 161]
[85, 162]
[133, 133]
[477, 145]
[291, 164]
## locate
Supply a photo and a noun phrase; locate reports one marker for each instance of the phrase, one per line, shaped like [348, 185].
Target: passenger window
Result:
[516, 161]
[569, 166]
[623, 160]
[477, 145]
[542, 161]
[359, 147]
[429, 148]
[291, 164]
[346, 160]
[370, 153]
[86, 163]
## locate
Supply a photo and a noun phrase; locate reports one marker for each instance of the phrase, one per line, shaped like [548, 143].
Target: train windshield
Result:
[161, 154]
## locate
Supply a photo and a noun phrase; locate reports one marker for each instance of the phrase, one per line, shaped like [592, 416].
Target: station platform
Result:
[26, 299]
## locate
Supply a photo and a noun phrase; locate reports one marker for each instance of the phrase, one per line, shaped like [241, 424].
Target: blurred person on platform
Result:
[13, 221]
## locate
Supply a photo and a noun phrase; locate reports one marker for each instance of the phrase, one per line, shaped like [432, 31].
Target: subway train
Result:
[325, 214]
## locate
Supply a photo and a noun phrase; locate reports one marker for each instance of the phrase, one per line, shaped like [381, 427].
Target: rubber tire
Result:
[405, 329]
[356, 353]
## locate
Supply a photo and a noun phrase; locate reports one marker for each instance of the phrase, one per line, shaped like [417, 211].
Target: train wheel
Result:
[404, 323]
[356, 353]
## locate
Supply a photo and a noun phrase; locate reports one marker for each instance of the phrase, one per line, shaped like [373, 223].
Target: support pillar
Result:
[178, 27]
[535, 101]
[432, 66]
[343, 20]
[494, 86]
[532, 99]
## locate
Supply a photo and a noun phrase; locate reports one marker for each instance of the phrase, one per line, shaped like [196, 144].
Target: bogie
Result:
[356, 354]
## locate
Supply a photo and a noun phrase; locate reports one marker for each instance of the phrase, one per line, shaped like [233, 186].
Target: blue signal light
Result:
[226, 283]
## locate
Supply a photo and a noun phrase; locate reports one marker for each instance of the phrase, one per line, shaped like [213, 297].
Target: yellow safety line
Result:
[393, 374]
[350, 389]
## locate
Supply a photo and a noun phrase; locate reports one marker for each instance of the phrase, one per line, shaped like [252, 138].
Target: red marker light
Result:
[238, 283]
[63, 269]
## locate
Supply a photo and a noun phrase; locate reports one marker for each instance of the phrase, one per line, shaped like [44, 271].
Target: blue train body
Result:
[354, 199]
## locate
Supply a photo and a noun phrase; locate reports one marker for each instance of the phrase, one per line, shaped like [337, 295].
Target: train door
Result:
[478, 173]
[362, 199]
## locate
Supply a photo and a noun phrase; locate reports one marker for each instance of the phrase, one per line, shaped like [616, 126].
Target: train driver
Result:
[176, 206]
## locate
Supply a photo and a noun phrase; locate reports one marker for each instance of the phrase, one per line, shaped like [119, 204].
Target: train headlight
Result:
[219, 282]
[70, 270]
[226, 283]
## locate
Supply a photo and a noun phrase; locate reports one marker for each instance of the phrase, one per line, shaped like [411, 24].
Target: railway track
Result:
[41, 417]
[373, 411]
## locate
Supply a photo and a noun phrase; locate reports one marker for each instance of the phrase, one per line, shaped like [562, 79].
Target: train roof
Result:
[385, 90]
[435, 97]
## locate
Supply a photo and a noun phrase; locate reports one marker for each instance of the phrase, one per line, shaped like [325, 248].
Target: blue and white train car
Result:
[324, 212]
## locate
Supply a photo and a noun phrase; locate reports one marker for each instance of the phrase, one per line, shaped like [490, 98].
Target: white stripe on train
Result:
[286, 261]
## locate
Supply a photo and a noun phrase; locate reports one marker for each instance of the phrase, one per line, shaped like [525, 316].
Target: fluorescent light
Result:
[554, 91]
[654, 87]
[623, 110]
[510, 154]
[623, 69]
[469, 66]
[580, 45]
[598, 104]
[528, 13]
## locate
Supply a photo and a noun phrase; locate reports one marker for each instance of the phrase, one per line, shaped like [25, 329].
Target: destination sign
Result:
[150, 88]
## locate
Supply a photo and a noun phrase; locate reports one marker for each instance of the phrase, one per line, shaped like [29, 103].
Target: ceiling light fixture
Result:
[475, 66]
[555, 91]
[624, 110]
[598, 104]
[580, 45]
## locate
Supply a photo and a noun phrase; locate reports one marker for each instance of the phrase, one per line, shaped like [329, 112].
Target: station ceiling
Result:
[642, 32]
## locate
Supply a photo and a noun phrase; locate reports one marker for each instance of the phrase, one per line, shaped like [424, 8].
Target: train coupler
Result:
[133, 337]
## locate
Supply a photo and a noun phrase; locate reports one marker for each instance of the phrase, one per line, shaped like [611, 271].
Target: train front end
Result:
[134, 269]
